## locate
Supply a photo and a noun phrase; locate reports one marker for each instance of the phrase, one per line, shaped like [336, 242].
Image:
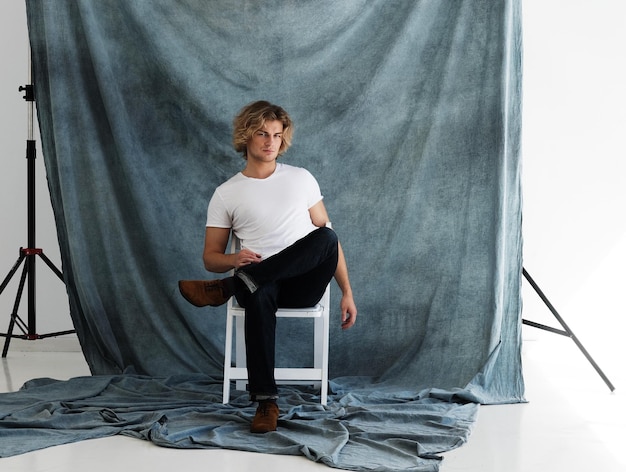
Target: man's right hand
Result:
[246, 257]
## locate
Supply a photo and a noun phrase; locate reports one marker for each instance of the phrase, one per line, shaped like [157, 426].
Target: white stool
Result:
[316, 375]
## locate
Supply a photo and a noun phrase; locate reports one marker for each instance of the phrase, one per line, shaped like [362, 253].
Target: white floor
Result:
[572, 423]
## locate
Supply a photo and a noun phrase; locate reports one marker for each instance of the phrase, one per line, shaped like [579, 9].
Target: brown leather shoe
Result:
[266, 418]
[203, 292]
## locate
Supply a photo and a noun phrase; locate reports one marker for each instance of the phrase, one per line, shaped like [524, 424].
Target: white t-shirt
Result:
[267, 215]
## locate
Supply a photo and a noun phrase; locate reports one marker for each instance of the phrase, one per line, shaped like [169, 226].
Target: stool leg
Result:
[240, 349]
[321, 339]
[228, 347]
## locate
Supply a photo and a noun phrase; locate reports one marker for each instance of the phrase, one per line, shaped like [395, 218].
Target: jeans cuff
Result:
[262, 397]
[247, 280]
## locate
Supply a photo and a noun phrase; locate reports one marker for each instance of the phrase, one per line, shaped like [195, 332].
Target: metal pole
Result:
[31, 155]
[30, 253]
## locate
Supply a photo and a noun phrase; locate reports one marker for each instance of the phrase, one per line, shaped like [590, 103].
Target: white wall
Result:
[574, 173]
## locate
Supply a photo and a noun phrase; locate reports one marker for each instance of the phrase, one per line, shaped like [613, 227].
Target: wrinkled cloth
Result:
[395, 430]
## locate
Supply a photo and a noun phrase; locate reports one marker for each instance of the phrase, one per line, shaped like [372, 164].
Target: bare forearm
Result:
[348, 307]
[341, 274]
[219, 263]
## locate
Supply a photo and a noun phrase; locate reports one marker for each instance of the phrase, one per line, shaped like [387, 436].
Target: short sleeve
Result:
[314, 194]
[217, 213]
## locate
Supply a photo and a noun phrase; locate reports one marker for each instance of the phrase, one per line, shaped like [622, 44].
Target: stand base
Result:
[27, 256]
[566, 331]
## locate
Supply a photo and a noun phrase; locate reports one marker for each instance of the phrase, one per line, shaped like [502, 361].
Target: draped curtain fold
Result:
[408, 114]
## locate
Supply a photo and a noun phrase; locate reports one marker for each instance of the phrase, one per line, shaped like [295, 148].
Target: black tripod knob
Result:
[30, 92]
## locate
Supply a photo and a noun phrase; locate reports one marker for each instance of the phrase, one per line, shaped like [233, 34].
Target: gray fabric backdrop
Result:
[408, 114]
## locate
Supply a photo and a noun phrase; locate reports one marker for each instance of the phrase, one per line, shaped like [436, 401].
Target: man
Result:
[289, 253]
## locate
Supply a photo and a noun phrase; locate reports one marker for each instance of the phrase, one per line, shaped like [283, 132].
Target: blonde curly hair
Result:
[252, 117]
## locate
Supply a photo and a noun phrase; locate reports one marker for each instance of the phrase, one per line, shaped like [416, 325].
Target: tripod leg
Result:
[568, 331]
[9, 276]
[14, 316]
[49, 263]
[59, 274]
[7, 341]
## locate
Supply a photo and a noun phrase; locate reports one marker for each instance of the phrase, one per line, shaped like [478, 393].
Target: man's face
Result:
[264, 145]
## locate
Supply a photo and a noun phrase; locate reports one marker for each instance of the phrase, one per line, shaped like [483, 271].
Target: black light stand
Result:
[28, 255]
[566, 331]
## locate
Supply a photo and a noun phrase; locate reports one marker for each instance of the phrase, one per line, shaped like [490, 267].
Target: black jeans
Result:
[296, 277]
